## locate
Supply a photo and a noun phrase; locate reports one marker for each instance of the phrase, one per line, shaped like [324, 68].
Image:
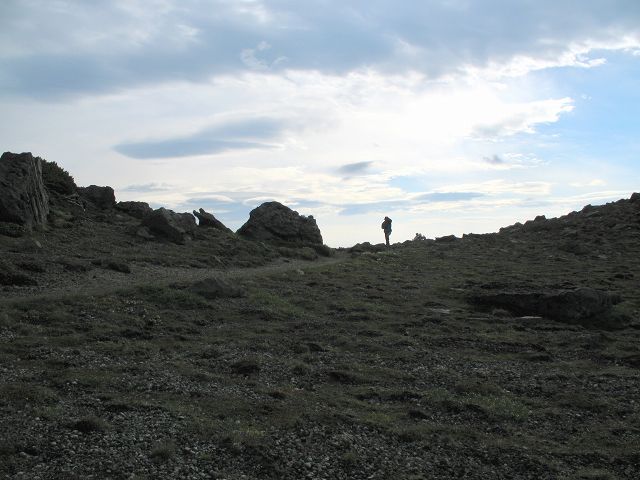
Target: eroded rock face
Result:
[206, 219]
[23, 197]
[169, 225]
[274, 222]
[102, 197]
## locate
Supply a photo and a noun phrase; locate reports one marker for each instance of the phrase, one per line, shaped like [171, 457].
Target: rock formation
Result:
[23, 196]
[274, 222]
[135, 209]
[580, 305]
[206, 219]
[169, 225]
[102, 197]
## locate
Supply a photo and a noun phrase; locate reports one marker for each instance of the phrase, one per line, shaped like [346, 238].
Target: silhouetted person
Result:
[386, 226]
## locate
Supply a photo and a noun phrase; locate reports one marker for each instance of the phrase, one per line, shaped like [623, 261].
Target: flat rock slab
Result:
[581, 305]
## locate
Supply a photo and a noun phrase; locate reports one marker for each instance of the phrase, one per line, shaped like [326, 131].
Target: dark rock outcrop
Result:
[206, 219]
[580, 305]
[135, 209]
[102, 197]
[23, 197]
[274, 222]
[368, 248]
[447, 239]
[169, 225]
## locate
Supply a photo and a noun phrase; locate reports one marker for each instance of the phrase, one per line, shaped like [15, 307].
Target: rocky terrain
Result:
[139, 344]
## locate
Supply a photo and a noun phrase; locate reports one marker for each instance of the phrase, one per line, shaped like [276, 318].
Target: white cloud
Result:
[596, 182]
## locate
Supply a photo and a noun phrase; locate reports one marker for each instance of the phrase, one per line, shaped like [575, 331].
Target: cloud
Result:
[59, 49]
[596, 182]
[494, 160]
[510, 161]
[521, 118]
[447, 196]
[237, 135]
[147, 187]
[357, 168]
[380, 207]
[408, 202]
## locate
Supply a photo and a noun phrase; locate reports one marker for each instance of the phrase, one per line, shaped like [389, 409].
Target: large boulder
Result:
[205, 219]
[580, 305]
[274, 222]
[135, 209]
[169, 225]
[102, 197]
[23, 197]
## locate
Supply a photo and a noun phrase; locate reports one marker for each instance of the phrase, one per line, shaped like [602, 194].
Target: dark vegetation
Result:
[222, 358]
[57, 179]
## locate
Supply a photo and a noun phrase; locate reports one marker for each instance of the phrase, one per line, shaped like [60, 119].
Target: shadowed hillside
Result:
[124, 355]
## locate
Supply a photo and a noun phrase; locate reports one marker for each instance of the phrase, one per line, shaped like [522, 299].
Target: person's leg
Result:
[386, 238]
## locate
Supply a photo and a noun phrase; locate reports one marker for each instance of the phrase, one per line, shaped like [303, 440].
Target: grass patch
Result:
[89, 424]
[163, 451]
[19, 394]
[173, 298]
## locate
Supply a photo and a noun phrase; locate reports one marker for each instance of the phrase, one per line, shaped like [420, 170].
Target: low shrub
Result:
[57, 179]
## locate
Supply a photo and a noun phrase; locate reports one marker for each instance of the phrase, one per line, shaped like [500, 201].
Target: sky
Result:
[449, 116]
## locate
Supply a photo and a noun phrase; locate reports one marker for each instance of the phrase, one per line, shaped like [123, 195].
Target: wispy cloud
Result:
[147, 187]
[408, 202]
[494, 160]
[447, 197]
[522, 118]
[357, 168]
[236, 135]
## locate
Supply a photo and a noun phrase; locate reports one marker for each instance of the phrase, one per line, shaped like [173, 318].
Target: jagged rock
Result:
[206, 219]
[167, 224]
[23, 196]
[212, 288]
[581, 305]
[273, 221]
[635, 198]
[102, 197]
[135, 209]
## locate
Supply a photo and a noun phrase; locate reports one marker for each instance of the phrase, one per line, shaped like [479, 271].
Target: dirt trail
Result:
[103, 282]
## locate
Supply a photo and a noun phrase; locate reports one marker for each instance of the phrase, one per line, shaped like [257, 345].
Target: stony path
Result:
[101, 282]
